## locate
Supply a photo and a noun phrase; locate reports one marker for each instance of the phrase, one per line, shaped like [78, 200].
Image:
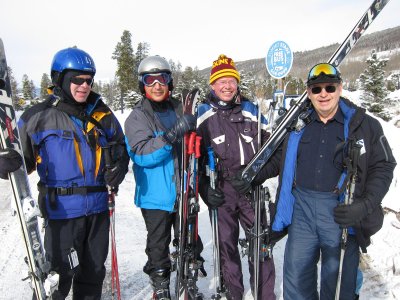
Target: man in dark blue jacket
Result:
[228, 123]
[313, 166]
[65, 138]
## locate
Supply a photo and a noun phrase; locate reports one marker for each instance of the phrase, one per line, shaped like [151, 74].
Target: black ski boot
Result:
[160, 282]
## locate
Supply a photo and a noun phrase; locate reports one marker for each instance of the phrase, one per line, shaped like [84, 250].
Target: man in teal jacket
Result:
[154, 131]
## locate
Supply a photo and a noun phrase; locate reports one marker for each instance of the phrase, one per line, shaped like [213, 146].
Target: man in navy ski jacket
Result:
[312, 164]
[228, 123]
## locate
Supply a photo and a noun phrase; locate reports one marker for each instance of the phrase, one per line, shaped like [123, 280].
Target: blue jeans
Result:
[313, 236]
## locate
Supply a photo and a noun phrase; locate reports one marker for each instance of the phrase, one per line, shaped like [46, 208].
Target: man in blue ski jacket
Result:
[65, 138]
[313, 164]
[154, 131]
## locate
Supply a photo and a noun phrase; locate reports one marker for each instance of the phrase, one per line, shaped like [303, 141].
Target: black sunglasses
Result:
[318, 89]
[80, 81]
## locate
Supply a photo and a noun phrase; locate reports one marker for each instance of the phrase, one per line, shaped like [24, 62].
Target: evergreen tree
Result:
[33, 89]
[373, 87]
[45, 83]
[111, 94]
[27, 88]
[188, 79]
[126, 64]
[142, 52]
[14, 90]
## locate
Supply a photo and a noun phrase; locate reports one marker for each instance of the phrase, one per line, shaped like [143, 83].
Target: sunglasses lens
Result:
[80, 81]
[329, 89]
[150, 79]
[327, 69]
[316, 90]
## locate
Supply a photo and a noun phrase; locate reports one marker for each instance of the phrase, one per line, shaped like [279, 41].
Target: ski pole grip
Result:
[211, 165]
[211, 158]
[197, 147]
[192, 138]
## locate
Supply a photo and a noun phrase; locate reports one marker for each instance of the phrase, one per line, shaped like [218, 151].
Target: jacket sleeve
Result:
[146, 146]
[28, 148]
[381, 164]
[119, 150]
[271, 168]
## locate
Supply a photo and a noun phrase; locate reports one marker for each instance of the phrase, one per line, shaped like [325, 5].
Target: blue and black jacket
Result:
[375, 171]
[155, 162]
[68, 156]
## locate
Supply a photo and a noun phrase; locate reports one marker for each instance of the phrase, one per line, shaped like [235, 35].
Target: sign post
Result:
[279, 61]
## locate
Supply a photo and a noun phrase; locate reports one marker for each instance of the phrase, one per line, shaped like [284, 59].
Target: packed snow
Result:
[381, 265]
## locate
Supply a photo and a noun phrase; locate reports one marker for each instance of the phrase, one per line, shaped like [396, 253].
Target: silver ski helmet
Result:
[153, 65]
[71, 59]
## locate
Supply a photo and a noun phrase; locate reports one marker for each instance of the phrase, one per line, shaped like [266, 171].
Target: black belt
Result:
[82, 190]
[62, 191]
[51, 192]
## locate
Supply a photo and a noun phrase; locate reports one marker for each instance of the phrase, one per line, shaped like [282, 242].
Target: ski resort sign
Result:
[279, 60]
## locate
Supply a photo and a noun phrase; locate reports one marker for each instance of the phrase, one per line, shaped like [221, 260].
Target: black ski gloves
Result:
[182, 125]
[239, 184]
[350, 215]
[215, 197]
[115, 174]
[10, 161]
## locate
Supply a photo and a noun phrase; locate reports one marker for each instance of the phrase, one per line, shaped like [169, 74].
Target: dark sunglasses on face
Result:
[80, 81]
[151, 79]
[318, 89]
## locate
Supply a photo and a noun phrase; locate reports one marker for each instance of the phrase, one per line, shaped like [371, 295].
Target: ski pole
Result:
[214, 226]
[354, 154]
[115, 286]
[257, 231]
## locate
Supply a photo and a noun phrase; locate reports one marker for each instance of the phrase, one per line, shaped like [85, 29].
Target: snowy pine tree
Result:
[45, 83]
[373, 87]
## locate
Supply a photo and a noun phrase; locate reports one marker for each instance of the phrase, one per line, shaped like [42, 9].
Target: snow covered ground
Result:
[381, 265]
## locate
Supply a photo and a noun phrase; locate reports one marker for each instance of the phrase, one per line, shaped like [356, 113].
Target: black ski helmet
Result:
[153, 65]
[70, 59]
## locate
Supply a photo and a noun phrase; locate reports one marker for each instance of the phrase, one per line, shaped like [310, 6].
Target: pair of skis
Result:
[42, 280]
[187, 261]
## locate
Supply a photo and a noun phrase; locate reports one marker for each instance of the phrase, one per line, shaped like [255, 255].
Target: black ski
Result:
[187, 257]
[293, 118]
[41, 280]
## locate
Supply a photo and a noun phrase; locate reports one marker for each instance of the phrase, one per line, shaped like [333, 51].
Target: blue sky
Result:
[191, 32]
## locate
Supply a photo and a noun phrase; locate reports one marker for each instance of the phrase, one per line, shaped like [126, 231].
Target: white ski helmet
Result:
[152, 65]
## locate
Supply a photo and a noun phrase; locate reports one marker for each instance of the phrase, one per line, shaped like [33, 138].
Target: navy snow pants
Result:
[237, 209]
[314, 236]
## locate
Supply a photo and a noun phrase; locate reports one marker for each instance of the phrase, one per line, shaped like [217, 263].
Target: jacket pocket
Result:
[60, 161]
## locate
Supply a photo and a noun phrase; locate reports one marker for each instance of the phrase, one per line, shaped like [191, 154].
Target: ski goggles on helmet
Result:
[323, 73]
[80, 81]
[151, 79]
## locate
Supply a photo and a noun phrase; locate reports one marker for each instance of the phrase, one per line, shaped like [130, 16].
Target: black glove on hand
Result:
[182, 125]
[240, 185]
[349, 215]
[10, 161]
[115, 175]
[215, 197]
